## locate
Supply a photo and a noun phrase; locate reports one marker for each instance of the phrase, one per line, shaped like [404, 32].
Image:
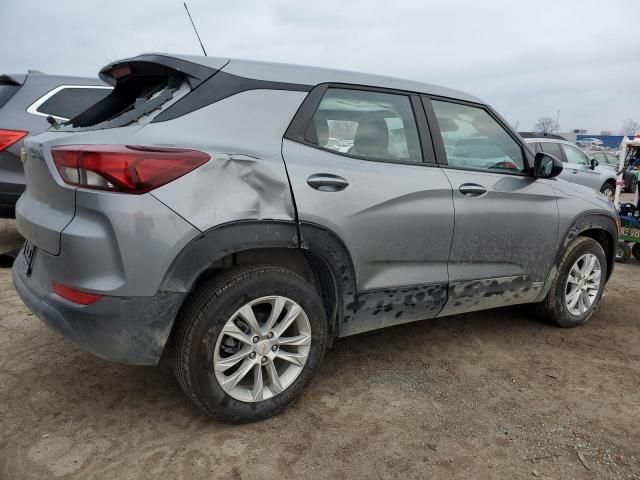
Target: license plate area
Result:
[29, 250]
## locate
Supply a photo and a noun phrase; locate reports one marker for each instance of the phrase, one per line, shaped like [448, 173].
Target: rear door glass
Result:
[535, 146]
[553, 149]
[366, 124]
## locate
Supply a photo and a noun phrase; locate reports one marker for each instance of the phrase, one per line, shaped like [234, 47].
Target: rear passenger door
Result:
[506, 220]
[361, 166]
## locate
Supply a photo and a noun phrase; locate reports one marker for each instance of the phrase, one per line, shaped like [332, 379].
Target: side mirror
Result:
[546, 166]
[594, 163]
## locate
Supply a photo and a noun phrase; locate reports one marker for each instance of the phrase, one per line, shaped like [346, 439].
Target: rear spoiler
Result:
[12, 79]
[153, 63]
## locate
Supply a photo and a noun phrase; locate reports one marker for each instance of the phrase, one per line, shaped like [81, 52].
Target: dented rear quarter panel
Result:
[246, 177]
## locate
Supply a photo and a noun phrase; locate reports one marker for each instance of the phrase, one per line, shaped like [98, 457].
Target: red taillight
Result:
[9, 137]
[75, 296]
[124, 168]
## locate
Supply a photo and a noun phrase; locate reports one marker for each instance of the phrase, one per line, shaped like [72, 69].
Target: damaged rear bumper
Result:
[131, 330]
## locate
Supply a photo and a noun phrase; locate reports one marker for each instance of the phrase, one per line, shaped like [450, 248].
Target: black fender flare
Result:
[326, 245]
[590, 221]
[580, 224]
[317, 242]
[222, 240]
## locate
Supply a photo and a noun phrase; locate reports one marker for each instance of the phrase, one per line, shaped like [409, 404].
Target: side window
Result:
[553, 149]
[574, 155]
[535, 146]
[368, 125]
[473, 139]
[70, 101]
[610, 159]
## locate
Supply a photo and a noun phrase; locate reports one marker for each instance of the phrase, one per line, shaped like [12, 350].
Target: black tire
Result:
[635, 250]
[553, 309]
[608, 190]
[205, 314]
[623, 253]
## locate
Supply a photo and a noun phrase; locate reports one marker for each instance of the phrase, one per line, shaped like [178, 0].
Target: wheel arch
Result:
[602, 228]
[312, 251]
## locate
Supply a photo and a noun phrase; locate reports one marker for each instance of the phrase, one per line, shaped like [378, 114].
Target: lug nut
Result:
[270, 335]
[256, 339]
[274, 348]
[264, 359]
[252, 355]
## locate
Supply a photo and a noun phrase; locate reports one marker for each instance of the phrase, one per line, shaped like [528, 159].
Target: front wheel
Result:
[249, 341]
[608, 191]
[635, 250]
[623, 252]
[577, 287]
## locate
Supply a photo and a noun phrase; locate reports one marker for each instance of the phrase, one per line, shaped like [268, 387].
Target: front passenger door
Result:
[506, 221]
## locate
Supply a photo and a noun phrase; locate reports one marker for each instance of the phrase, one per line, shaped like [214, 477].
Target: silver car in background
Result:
[578, 166]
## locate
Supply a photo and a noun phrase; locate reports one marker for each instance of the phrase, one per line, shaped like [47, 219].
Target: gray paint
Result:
[395, 219]
[130, 330]
[374, 309]
[400, 242]
[518, 218]
[246, 177]
[473, 295]
[308, 75]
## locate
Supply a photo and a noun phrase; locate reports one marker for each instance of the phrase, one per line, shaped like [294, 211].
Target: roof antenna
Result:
[195, 29]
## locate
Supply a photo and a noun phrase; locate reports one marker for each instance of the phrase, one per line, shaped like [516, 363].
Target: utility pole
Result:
[557, 120]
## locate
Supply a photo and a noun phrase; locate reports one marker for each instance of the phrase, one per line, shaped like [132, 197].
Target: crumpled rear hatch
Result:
[144, 87]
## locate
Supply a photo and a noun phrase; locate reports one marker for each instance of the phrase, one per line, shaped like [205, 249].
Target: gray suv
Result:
[26, 100]
[578, 166]
[238, 216]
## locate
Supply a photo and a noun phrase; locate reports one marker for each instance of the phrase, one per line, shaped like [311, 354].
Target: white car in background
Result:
[589, 143]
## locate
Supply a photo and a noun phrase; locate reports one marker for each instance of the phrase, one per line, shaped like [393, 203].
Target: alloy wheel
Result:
[262, 349]
[583, 284]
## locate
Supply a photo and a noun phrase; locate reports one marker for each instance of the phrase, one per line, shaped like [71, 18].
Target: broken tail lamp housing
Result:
[129, 169]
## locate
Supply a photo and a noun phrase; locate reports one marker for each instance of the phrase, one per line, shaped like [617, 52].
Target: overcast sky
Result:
[528, 59]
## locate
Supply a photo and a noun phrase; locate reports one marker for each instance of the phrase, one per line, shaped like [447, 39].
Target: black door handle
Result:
[472, 189]
[326, 182]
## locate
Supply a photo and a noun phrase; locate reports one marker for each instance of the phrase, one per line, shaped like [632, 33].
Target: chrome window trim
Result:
[33, 108]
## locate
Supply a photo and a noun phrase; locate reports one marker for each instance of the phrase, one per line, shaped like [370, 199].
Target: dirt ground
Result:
[486, 395]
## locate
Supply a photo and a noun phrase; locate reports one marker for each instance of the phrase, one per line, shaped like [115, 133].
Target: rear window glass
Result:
[553, 149]
[133, 99]
[69, 102]
[6, 92]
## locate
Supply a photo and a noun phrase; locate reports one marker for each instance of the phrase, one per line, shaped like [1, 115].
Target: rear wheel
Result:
[577, 287]
[623, 252]
[636, 250]
[249, 341]
[609, 191]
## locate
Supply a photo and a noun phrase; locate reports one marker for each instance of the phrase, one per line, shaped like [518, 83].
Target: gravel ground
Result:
[486, 395]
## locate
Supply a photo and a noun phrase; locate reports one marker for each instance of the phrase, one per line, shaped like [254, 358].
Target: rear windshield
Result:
[71, 101]
[6, 92]
[134, 98]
